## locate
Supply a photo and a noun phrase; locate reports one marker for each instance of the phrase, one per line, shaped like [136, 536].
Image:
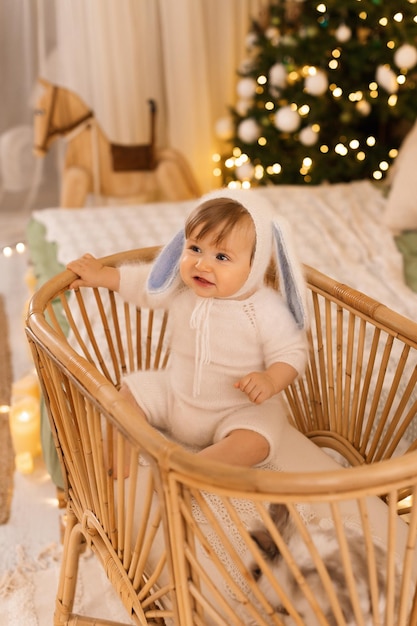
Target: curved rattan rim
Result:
[376, 478]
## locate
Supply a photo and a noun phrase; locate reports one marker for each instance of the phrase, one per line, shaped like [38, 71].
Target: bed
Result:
[340, 229]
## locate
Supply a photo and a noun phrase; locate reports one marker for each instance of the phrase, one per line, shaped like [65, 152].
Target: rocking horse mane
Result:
[93, 164]
[56, 95]
[53, 132]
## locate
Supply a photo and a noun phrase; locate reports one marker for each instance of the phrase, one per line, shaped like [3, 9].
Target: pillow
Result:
[401, 208]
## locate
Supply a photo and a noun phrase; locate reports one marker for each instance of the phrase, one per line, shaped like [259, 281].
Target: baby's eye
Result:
[194, 248]
[222, 257]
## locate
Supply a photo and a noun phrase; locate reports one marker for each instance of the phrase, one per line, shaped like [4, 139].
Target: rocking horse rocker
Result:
[94, 165]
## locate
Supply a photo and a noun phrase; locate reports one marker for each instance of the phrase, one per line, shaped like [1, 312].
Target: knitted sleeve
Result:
[133, 281]
[282, 341]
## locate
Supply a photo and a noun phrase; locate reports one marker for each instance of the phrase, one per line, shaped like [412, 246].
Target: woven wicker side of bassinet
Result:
[330, 540]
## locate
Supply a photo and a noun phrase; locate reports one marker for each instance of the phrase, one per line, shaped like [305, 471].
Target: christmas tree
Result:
[327, 93]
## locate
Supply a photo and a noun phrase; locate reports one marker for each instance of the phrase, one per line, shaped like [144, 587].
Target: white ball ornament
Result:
[272, 33]
[243, 106]
[251, 40]
[278, 75]
[343, 33]
[245, 171]
[316, 84]
[246, 66]
[287, 120]
[307, 136]
[386, 78]
[246, 87]
[405, 57]
[249, 130]
[224, 128]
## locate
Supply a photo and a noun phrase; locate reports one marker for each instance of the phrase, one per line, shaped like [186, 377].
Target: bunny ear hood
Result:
[291, 278]
[165, 270]
[273, 239]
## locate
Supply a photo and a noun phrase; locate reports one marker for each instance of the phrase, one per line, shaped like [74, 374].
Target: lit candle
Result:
[28, 386]
[24, 463]
[25, 431]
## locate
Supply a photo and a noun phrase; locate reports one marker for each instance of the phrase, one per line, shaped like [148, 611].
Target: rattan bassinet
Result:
[330, 540]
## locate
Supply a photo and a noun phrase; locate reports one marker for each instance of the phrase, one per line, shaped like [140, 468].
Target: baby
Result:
[236, 343]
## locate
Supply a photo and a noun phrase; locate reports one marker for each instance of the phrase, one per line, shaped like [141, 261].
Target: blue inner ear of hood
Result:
[287, 280]
[166, 265]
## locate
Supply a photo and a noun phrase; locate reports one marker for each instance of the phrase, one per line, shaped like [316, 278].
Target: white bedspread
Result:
[338, 229]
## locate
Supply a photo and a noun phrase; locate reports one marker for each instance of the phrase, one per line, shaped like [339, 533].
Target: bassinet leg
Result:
[73, 546]
[413, 614]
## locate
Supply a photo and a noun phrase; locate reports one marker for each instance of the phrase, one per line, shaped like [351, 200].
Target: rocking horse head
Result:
[58, 111]
[94, 165]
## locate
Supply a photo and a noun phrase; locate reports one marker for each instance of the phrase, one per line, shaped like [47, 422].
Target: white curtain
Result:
[17, 61]
[21, 174]
[182, 53]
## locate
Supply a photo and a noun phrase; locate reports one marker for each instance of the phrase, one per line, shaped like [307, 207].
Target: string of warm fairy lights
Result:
[24, 408]
[291, 117]
[16, 248]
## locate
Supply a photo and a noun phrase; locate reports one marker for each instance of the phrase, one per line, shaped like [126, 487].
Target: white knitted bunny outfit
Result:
[214, 342]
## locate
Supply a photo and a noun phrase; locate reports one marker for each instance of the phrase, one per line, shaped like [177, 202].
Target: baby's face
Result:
[218, 270]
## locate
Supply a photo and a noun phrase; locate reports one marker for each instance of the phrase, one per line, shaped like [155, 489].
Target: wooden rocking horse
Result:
[137, 173]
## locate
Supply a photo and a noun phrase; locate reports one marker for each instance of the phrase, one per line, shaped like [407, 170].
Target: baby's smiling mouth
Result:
[202, 281]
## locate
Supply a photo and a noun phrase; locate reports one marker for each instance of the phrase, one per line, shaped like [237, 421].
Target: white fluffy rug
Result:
[30, 551]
